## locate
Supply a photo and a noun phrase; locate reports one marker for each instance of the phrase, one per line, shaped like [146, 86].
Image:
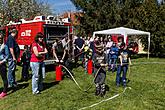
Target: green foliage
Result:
[13, 10]
[147, 93]
[146, 15]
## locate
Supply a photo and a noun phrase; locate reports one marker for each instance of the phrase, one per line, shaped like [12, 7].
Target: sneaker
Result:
[3, 94]
[102, 92]
[14, 85]
[37, 92]
[97, 92]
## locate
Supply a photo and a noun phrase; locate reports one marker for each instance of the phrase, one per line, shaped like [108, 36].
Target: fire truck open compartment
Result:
[54, 31]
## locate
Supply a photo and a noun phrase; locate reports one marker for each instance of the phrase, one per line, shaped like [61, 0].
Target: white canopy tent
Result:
[125, 32]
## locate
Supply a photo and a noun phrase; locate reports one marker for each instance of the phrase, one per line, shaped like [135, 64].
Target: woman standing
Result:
[4, 54]
[38, 50]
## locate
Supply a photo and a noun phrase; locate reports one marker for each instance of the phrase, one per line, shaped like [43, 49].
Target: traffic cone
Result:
[58, 73]
[90, 67]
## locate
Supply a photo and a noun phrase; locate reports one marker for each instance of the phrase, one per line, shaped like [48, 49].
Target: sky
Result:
[61, 6]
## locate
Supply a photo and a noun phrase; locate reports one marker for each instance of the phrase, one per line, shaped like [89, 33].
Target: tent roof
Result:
[123, 31]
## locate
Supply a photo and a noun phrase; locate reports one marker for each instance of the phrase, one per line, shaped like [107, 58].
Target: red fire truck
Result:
[50, 26]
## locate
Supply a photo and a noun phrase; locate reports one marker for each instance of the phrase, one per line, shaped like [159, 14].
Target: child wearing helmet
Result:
[100, 63]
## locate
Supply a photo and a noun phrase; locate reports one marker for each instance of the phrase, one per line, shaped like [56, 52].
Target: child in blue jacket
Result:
[113, 53]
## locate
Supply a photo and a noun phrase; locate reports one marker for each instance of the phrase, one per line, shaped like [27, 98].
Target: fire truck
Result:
[52, 27]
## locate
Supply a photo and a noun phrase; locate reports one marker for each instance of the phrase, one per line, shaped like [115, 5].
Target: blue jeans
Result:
[38, 74]
[112, 63]
[11, 71]
[119, 69]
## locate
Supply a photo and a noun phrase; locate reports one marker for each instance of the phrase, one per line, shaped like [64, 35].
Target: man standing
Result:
[13, 55]
[79, 46]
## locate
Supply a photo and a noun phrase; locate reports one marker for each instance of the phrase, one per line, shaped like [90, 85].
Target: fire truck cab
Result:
[50, 26]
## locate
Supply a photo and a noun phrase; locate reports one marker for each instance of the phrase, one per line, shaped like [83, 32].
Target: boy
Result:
[99, 61]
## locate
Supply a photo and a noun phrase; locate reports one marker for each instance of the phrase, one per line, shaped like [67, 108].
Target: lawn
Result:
[147, 81]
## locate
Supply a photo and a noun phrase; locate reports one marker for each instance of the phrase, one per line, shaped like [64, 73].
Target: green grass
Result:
[147, 93]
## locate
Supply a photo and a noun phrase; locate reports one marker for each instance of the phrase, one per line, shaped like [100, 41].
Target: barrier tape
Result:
[106, 99]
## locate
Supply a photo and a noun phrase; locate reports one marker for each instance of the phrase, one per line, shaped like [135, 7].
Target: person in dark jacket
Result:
[25, 59]
[100, 63]
[60, 53]
[14, 52]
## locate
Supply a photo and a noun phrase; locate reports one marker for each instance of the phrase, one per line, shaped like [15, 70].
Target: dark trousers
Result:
[3, 73]
[100, 82]
[100, 78]
[25, 70]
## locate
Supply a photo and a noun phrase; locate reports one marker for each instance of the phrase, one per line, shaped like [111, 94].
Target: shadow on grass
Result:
[106, 88]
[27, 79]
[19, 86]
[49, 85]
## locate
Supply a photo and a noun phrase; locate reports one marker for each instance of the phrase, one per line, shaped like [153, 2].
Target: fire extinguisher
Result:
[58, 72]
[90, 66]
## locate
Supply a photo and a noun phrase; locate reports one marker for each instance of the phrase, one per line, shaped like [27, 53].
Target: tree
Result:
[146, 15]
[16, 9]
[96, 14]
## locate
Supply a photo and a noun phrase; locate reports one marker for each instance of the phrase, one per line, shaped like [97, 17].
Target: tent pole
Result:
[149, 46]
